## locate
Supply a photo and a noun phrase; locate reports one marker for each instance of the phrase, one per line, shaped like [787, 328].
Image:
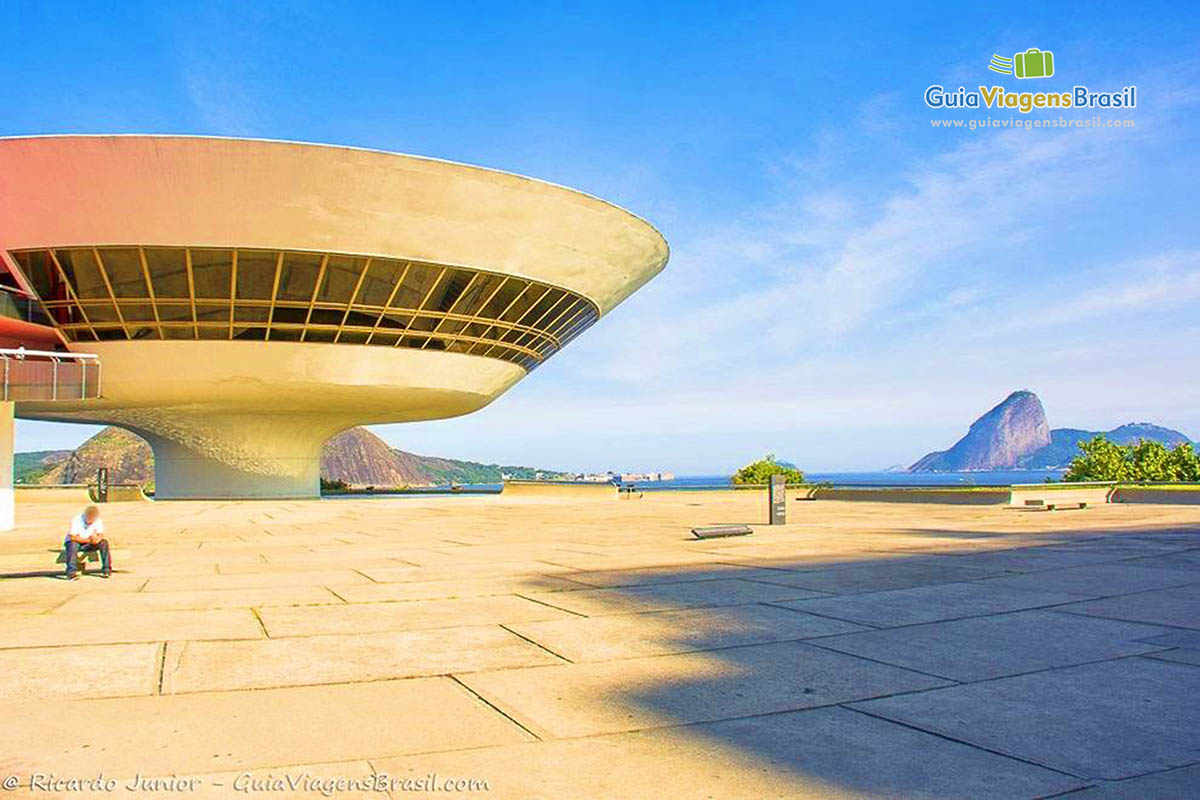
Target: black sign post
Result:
[102, 485]
[777, 497]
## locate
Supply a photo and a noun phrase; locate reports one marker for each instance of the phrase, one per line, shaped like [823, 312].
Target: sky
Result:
[849, 286]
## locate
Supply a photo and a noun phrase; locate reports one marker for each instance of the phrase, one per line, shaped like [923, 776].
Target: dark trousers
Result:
[74, 548]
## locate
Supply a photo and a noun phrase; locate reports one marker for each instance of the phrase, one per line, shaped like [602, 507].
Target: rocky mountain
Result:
[127, 457]
[356, 457]
[1015, 435]
[1013, 429]
[359, 457]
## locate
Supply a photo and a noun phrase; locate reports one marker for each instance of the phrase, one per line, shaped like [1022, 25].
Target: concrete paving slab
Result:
[206, 599]
[1184, 536]
[145, 626]
[1099, 580]
[48, 583]
[612, 637]
[669, 596]
[1174, 784]
[124, 564]
[1178, 655]
[60, 673]
[444, 589]
[244, 730]
[1036, 559]
[30, 605]
[659, 575]
[207, 666]
[307, 562]
[878, 577]
[402, 616]
[1191, 591]
[1165, 607]
[184, 567]
[1185, 639]
[460, 569]
[817, 754]
[1120, 540]
[927, 603]
[604, 697]
[1108, 721]
[1007, 644]
[785, 555]
[260, 580]
[1184, 644]
[1132, 548]
[1185, 559]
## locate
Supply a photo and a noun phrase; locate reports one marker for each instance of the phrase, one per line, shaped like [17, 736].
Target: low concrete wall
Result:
[892, 494]
[78, 493]
[120, 493]
[560, 489]
[1151, 494]
[53, 494]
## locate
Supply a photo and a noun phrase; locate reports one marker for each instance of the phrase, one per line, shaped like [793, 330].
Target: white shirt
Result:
[81, 529]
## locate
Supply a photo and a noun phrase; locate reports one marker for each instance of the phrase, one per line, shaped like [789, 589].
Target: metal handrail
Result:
[83, 360]
[21, 352]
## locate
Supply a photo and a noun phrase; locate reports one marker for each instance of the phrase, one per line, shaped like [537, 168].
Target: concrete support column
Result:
[181, 473]
[7, 510]
[237, 456]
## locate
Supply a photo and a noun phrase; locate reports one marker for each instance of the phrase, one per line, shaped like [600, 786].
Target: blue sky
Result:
[849, 287]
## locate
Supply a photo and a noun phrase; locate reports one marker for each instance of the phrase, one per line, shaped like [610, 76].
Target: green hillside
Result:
[31, 467]
[448, 470]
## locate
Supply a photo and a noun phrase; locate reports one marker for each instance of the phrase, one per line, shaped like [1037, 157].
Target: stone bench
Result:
[721, 531]
[1049, 497]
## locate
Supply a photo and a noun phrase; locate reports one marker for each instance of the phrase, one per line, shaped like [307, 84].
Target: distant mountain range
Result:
[1016, 435]
[357, 457]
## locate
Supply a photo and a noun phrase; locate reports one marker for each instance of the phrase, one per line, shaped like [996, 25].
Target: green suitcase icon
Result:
[1034, 63]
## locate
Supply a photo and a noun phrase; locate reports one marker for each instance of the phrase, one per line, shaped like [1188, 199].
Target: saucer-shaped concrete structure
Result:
[249, 299]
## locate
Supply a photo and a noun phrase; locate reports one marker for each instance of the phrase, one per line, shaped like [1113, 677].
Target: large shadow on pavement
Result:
[765, 660]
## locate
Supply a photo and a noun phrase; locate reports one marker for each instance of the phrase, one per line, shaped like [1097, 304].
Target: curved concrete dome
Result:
[251, 298]
[59, 191]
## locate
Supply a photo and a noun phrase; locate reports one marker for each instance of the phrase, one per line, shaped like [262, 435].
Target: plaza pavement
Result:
[593, 649]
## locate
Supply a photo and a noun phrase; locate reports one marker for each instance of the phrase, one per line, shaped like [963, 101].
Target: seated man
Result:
[87, 534]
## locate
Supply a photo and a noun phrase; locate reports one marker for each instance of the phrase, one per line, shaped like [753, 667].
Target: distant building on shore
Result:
[624, 477]
[646, 477]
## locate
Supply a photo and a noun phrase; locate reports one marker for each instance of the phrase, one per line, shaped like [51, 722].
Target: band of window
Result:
[106, 293]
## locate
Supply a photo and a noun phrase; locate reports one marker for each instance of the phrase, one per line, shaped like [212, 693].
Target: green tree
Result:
[1184, 463]
[1101, 460]
[1149, 461]
[761, 471]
